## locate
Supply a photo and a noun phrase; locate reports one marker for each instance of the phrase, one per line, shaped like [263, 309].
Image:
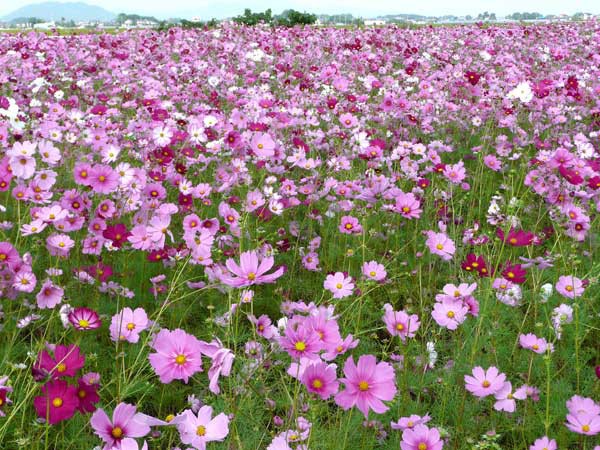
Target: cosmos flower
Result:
[178, 355]
[485, 382]
[367, 384]
[58, 401]
[126, 423]
[251, 270]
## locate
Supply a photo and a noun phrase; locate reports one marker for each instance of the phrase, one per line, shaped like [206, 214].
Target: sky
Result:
[207, 9]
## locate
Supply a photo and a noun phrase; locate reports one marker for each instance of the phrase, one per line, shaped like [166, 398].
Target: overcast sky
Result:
[207, 9]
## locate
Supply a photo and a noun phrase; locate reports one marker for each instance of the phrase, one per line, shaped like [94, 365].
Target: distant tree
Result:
[469, 17]
[250, 18]
[291, 17]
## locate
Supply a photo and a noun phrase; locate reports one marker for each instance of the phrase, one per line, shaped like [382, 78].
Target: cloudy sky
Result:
[207, 9]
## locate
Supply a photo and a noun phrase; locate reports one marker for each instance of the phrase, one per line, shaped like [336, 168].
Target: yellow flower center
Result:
[422, 446]
[372, 273]
[569, 288]
[116, 432]
[169, 418]
[338, 286]
[130, 326]
[439, 247]
[486, 384]
[399, 327]
[57, 402]
[81, 393]
[102, 178]
[585, 428]
[363, 386]
[180, 359]
[201, 430]
[406, 209]
[260, 146]
[300, 346]
[83, 323]
[61, 367]
[251, 276]
[450, 314]
[317, 384]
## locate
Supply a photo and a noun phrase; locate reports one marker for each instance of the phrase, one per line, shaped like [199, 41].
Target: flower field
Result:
[305, 238]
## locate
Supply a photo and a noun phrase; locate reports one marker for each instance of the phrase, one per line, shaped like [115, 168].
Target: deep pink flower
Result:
[367, 384]
[58, 402]
[66, 362]
[84, 319]
[350, 225]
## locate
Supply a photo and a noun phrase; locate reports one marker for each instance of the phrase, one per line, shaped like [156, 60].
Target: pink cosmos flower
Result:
[449, 313]
[66, 362]
[178, 355]
[421, 437]
[251, 270]
[532, 342]
[506, 398]
[58, 401]
[578, 404]
[264, 327]
[300, 340]
[408, 206]
[197, 430]
[409, 422]
[484, 383]
[399, 323]
[50, 295]
[440, 244]
[373, 270]
[103, 179]
[339, 285]
[366, 385]
[350, 225]
[321, 379]
[88, 396]
[544, 443]
[128, 324]
[584, 423]
[222, 360]
[263, 145]
[570, 286]
[126, 423]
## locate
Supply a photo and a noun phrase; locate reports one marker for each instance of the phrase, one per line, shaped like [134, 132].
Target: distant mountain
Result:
[76, 11]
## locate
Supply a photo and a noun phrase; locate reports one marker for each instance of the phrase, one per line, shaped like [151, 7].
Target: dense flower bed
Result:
[320, 238]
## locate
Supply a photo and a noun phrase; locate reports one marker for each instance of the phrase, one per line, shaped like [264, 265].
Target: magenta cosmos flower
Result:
[58, 401]
[321, 379]
[66, 362]
[84, 319]
[421, 437]
[544, 443]
[197, 430]
[484, 383]
[126, 423]
[367, 384]
[440, 244]
[570, 286]
[178, 355]
[251, 270]
[339, 284]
